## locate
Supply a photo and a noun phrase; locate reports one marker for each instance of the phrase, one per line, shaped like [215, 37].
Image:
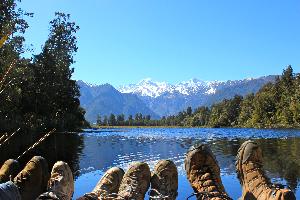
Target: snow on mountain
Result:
[162, 98]
[148, 87]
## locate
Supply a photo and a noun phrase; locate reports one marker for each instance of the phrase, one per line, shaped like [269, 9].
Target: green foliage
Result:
[58, 94]
[246, 112]
[39, 94]
[275, 105]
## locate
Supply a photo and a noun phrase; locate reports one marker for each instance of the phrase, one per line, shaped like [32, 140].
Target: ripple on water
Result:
[119, 147]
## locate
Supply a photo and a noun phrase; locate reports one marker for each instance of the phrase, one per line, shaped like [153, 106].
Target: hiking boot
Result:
[108, 186]
[135, 182]
[32, 180]
[203, 173]
[60, 184]
[256, 185]
[9, 170]
[164, 181]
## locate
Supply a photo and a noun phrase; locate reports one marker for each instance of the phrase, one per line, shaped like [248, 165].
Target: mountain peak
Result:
[162, 98]
[145, 81]
[148, 87]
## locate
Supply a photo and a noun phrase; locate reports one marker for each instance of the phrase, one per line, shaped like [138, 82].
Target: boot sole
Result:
[204, 149]
[239, 160]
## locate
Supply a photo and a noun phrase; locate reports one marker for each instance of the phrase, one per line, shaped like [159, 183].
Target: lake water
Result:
[92, 152]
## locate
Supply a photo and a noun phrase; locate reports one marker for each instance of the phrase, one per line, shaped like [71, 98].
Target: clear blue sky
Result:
[123, 41]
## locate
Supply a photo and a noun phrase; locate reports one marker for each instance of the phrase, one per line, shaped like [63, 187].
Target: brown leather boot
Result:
[60, 184]
[9, 170]
[203, 173]
[32, 180]
[255, 183]
[135, 182]
[107, 187]
[164, 181]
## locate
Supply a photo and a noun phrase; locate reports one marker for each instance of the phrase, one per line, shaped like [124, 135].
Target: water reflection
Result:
[92, 152]
[59, 146]
[104, 149]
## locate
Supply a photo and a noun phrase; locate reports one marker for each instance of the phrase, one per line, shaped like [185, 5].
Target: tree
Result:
[105, 121]
[246, 112]
[189, 111]
[264, 107]
[201, 116]
[99, 121]
[112, 120]
[14, 72]
[57, 95]
[295, 105]
[286, 89]
[120, 120]
[130, 120]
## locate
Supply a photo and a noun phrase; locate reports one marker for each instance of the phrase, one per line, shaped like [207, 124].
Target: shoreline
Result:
[131, 127]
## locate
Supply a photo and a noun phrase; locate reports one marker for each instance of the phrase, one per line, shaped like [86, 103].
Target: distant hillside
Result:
[161, 99]
[166, 99]
[106, 100]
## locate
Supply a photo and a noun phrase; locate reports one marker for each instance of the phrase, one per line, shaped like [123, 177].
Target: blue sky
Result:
[124, 41]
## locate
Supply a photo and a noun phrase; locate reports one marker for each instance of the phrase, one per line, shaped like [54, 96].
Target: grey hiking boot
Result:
[107, 187]
[9, 170]
[203, 173]
[135, 182]
[255, 184]
[32, 180]
[164, 181]
[60, 184]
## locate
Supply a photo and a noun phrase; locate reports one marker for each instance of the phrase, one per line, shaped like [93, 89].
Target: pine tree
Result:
[14, 72]
[57, 97]
[112, 120]
[247, 107]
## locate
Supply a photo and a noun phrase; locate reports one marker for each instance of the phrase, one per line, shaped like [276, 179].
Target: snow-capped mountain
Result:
[147, 87]
[168, 99]
[105, 100]
[161, 98]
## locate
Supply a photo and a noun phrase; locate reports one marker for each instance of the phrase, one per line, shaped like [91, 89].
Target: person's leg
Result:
[256, 185]
[107, 187]
[164, 181]
[203, 173]
[9, 170]
[135, 182]
[9, 191]
[60, 184]
[32, 180]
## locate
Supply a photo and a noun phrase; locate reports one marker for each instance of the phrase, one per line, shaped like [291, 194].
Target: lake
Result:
[92, 152]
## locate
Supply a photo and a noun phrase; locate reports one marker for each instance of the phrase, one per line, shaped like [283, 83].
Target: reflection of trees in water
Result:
[281, 157]
[60, 146]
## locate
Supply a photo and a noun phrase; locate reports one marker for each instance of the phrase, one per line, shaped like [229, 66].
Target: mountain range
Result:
[160, 98]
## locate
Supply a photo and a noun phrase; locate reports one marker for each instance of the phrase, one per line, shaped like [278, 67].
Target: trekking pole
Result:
[9, 137]
[6, 73]
[37, 143]
[4, 38]
[3, 137]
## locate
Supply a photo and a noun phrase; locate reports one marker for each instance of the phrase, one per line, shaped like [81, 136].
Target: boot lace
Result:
[265, 181]
[22, 179]
[164, 192]
[204, 194]
[159, 195]
[131, 186]
[208, 196]
[54, 186]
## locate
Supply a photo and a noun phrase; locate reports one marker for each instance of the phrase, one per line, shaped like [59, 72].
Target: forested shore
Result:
[275, 105]
[37, 94]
